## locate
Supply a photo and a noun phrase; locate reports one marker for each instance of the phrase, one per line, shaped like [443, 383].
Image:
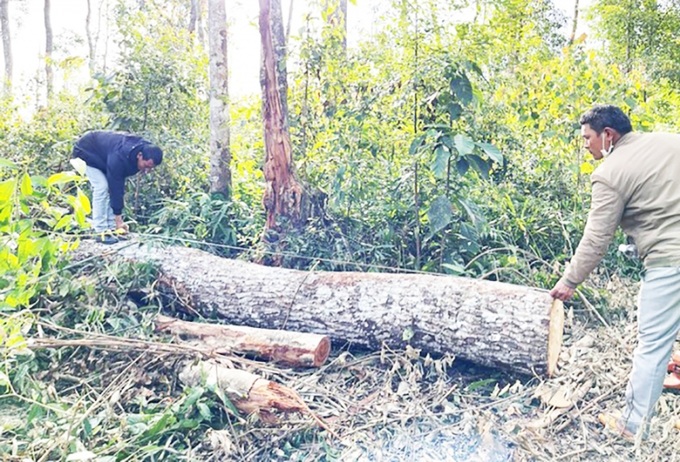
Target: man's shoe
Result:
[106, 238]
[616, 426]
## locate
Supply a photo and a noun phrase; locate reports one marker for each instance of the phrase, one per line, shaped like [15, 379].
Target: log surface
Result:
[490, 323]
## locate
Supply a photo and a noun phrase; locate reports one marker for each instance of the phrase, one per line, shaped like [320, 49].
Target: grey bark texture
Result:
[489, 323]
[6, 44]
[49, 76]
[220, 154]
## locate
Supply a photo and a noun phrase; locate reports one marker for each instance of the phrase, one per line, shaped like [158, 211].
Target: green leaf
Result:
[193, 396]
[454, 268]
[480, 384]
[204, 410]
[586, 168]
[26, 186]
[462, 165]
[455, 110]
[6, 163]
[471, 210]
[492, 151]
[160, 425]
[441, 161]
[7, 190]
[84, 202]
[464, 144]
[407, 334]
[440, 214]
[61, 177]
[415, 144]
[462, 88]
[481, 165]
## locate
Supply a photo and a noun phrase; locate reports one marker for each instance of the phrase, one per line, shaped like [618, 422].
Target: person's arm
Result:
[605, 215]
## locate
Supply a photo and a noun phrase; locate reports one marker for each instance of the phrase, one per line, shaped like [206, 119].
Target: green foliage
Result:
[641, 34]
[31, 207]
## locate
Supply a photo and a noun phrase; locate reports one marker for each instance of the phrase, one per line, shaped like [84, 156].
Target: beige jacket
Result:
[638, 187]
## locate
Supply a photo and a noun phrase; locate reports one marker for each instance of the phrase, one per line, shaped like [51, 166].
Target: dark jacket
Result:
[115, 154]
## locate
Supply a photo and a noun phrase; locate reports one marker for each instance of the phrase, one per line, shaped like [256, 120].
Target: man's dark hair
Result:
[153, 152]
[602, 116]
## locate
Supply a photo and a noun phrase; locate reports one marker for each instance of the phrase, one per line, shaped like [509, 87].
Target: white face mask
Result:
[603, 151]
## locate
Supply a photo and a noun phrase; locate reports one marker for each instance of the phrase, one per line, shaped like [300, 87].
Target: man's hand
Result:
[561, 291]
[121, 226]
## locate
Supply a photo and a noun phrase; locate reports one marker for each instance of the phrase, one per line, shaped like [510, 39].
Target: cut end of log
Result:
[555, 333]
[322, 351]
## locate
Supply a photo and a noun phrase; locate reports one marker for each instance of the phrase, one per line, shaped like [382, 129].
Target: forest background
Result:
[445, 141]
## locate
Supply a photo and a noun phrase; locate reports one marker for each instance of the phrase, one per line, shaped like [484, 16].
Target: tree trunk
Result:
[291, 348]
[193, 16]
[6, 44]
[283, 193]
[490, 323]
[574, 24]
[220, 155]
[90, 41]
[49, 77]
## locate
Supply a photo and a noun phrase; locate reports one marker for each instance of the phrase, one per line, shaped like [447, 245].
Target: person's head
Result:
[149, 157]
[601, 128]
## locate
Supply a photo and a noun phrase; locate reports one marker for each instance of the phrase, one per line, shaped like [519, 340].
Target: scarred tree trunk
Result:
[220, 154]
[283, 194]
[490, 323]
[6, 44]
[49, 77]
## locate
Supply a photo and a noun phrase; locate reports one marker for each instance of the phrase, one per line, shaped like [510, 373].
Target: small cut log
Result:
[291, 348]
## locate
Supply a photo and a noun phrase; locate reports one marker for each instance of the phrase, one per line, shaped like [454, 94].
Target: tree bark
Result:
[220, 154]
[283, 193]
[291, 348]
[490, 323]
[90, 41]
[6, 45]
[574, 24]
[49, 77]
[193, 16]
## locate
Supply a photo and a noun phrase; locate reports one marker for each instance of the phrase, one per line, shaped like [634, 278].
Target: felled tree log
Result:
[249, 393]
[490, 323]
[290, 348]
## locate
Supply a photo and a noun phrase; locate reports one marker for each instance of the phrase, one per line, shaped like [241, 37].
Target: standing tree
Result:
[6, 44]
[283, 194]
[220, 156]
[91, 44]
[196, 19]
[49, 78]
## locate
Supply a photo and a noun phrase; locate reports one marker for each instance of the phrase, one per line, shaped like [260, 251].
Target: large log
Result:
[490, 323]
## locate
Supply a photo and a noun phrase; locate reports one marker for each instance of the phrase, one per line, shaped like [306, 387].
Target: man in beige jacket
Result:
[637, 186]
